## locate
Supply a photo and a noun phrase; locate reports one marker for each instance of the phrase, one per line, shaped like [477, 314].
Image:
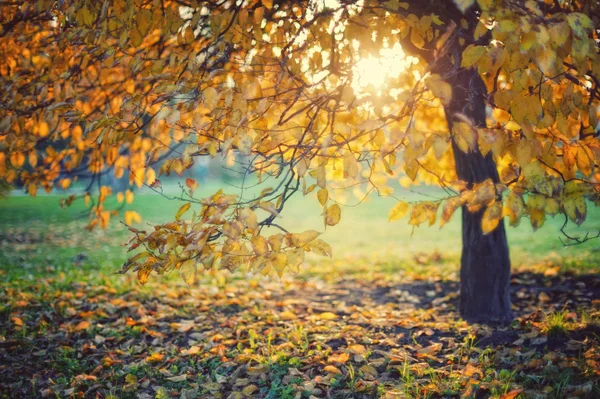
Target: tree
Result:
[495, 101]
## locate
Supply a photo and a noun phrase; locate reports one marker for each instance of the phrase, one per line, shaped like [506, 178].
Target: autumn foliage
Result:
[145, 88]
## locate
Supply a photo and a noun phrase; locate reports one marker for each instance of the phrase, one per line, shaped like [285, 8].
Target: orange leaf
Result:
[512, 394]
[155, 357]
[339, 358]
[191, 184]
[84, 325]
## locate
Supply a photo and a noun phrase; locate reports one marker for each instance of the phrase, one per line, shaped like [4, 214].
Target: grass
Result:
[557, 325]
[363, 230]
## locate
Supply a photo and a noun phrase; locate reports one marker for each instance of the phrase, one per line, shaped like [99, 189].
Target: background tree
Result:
[495, 101]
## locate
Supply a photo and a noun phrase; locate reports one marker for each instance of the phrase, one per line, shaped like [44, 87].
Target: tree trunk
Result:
[485, 263]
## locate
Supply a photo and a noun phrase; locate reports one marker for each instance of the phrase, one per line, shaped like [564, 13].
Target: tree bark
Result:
[485, 262]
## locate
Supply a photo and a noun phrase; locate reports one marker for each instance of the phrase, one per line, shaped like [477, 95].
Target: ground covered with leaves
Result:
[352, 327]
[366, 334]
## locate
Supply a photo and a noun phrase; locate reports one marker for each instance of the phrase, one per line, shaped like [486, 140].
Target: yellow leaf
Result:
[250, 389]
[416, 38]
[559, 33]
[320, 247]
[584, 160]
[132, 217]
[65, 183]
[513, 208]
[350, 165]
[323, 196]
[299, 240]
[552, 206]
[545, 58]
[17, 159]
[439, 88]
[183, 209]
[173, 117]
[268, 3]
[491, 218]
[465, 136]
[518, 108]
[333, 215]
[131, 379]
[294, 258]
[150, 176]
[120, 198]
[328, 316]
[104, 219]
[210, 98]
[287, 315]
[43, 129]
[535, 111]
[508, 25]
[348, 95]
[448, 210]
[537, 218]
[269, 207]
[135, 36]
[575, 208]
[440, 145]
[32, 158]
[422, 212]
[129, 196]
[503, 98]
[275, 242]
[32, 189]
[471, 55]
[528, 40]
[398, 211]
[279, 262]
[258, 15]
[86, 17]
[260, 245]
[320, 175]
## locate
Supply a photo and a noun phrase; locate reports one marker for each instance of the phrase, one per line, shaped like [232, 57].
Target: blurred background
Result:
[37, 235]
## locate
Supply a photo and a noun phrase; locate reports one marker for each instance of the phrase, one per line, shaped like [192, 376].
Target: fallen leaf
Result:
[339, 358]
[83, 325]
[512, 394]
[178, 378]
[155, 357]
[287, 315]
[328, 316]
[332, 369]
[357, 349]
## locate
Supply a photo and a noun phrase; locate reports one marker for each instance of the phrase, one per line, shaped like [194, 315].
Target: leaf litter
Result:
[366, 333]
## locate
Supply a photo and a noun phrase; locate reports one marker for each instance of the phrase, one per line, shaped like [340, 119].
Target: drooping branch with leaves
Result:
[494, 101]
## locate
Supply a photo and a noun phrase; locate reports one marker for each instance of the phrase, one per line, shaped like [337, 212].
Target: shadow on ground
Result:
[264, 339]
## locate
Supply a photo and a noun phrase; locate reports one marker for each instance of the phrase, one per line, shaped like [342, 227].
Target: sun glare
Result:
[372, 73]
